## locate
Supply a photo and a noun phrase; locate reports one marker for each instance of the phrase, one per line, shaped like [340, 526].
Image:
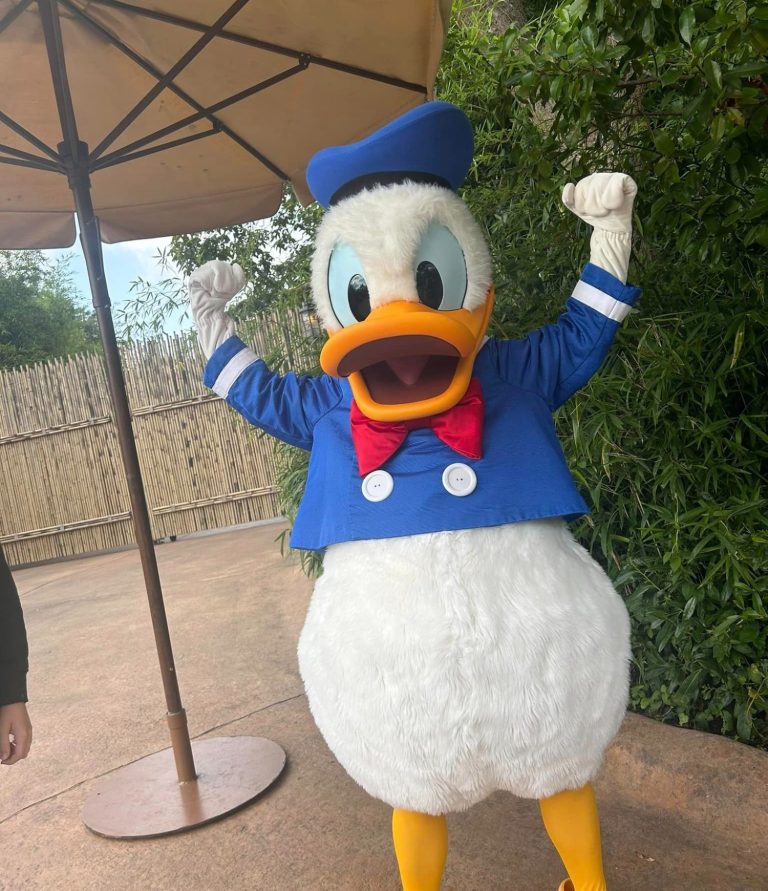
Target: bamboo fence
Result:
[62, 487]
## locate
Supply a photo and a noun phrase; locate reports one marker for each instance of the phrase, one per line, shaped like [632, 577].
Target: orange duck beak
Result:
[406, 360]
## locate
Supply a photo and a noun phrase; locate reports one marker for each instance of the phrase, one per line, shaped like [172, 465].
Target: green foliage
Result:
[41, 316]
[151, 304]
[534, 8]
[274, 253]
[601, 85]
[669, 438]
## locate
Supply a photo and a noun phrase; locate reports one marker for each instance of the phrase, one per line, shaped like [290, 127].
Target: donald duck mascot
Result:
[459, 640]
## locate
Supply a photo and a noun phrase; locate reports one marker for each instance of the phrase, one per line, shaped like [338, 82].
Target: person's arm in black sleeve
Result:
[14, 720]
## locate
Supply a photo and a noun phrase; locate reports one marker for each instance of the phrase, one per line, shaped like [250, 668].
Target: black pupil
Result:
[359, 298]
[429, 284]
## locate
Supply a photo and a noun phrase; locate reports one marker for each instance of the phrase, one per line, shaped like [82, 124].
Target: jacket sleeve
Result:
[13, 640]
[559, 359]
[285, 406]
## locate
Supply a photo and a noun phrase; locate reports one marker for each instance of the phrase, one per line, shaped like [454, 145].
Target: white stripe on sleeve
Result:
[232, 371]
[601, 301]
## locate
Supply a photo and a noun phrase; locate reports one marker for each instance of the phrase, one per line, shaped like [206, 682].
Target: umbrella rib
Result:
[192, 53]
[36, 160]
[176, 89]
[13, 14]
[264, 45]
[27, 136]
[121, 153]
[18, 162]
[70, 146]
[120, 158]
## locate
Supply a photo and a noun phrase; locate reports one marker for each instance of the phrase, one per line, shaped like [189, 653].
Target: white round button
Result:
[378, 485]
[459, 480]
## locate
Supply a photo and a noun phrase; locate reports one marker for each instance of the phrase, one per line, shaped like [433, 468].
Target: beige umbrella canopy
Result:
[194, 113]
[160, 117]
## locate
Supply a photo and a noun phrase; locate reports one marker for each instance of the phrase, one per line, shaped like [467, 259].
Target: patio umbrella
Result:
[160, 117]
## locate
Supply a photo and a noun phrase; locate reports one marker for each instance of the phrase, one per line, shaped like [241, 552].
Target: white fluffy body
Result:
[443, 667]
[385, 226]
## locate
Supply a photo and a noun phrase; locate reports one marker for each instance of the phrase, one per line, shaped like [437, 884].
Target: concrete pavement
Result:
[681, 811]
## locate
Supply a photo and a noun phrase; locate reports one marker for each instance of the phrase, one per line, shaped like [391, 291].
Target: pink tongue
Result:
[408, 368]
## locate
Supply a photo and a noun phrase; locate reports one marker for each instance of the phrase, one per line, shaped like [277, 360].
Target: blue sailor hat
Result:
[431, 143]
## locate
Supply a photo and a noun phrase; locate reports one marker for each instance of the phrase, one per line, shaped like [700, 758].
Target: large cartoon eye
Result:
[347, 287]
[441, 272]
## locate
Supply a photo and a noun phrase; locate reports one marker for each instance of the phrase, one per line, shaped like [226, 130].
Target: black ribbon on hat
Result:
[388, 178]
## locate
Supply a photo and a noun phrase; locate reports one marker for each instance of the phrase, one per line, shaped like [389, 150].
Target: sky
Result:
[124, 263]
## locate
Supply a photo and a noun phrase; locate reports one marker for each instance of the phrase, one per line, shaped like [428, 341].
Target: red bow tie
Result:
[460, 427]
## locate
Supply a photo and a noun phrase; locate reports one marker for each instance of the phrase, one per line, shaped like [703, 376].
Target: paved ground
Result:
[681, 811]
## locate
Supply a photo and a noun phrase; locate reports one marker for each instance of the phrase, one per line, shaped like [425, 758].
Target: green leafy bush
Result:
[669, 440]
[41, 314]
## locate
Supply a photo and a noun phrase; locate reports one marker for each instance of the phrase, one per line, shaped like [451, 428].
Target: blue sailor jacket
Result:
[522, 474]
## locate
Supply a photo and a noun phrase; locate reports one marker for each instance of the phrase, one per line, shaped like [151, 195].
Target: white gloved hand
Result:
[604, 200]
[210, 288]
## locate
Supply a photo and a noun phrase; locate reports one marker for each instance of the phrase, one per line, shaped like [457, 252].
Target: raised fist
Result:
[604, 200]
[213, 285]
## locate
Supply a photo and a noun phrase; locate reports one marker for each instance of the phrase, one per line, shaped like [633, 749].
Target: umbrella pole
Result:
[156, 795]
[74, 155]
[94, 261]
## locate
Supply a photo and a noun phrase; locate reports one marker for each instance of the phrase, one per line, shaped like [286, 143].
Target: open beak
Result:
[407, 361]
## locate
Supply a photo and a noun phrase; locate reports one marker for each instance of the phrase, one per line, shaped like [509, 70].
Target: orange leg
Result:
[572, 823]
[421, 846]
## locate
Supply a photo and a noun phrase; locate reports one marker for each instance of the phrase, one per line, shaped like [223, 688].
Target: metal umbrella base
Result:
[145, 799]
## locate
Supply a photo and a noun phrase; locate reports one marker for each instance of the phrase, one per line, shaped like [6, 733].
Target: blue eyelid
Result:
[440, 247]
[343, 264]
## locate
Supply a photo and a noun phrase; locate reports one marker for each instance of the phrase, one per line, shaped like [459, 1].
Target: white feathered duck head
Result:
[401, 273]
